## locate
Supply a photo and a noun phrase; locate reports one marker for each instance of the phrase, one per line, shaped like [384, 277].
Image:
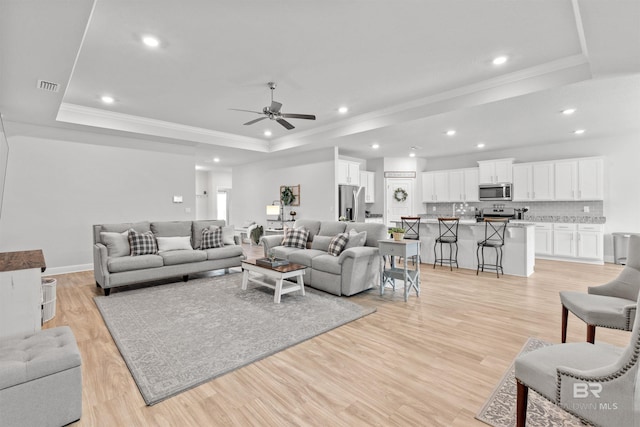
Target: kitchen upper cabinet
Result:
[435, 186]
[348, 172]
[495, 171]
[463, 185]
[367, 180]
[580, 179]
[533, 181]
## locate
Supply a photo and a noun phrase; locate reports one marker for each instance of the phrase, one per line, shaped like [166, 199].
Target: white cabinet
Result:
[375, 220]
[564, 240]
[495, 171]
[533, 181]
[463, 185]
[367, 180]
[590, 244]
[544, 238]
[435, 186]
[580, 179]
[348, 172]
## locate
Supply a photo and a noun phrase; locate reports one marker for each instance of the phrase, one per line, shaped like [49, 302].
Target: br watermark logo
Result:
[591, 390]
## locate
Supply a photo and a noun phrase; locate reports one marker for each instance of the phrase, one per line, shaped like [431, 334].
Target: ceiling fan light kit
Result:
[273, 112]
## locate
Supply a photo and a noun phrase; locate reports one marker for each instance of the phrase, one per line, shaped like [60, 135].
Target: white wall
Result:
[622, 160]
[57, 189]
[256, 185]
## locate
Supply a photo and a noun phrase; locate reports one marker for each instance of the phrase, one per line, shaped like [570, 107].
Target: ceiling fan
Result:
[273, 112]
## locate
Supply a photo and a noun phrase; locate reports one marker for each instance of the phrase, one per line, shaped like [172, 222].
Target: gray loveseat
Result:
[354, 270]
[113, 266]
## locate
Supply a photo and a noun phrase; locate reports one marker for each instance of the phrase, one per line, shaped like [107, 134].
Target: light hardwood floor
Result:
[432, 361]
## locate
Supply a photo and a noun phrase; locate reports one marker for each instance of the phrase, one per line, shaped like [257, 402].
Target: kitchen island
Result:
[518, 251]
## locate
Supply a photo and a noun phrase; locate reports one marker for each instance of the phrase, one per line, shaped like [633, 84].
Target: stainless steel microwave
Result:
[495, 192]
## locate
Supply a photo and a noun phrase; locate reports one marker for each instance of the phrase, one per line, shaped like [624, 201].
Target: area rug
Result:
[174, 337]
[500, 408]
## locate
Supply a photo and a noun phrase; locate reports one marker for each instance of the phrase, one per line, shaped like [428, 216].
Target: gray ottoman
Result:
[40, 379]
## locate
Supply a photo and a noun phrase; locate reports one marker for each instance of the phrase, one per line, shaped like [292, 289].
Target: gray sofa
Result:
[113, 267]
[354, 270]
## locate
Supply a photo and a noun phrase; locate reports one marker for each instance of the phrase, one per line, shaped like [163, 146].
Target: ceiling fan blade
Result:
[299, 116]
[255, 121]
[275, 107]
[286, 124]
[246, 111]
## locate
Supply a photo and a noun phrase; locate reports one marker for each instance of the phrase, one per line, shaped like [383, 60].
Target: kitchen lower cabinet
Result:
[570, 242]
[544, 239]
[564, 238]
[590, 241]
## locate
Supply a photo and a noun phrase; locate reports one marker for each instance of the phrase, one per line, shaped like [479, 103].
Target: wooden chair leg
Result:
[591, 333]
[522, 398]
[565, 316]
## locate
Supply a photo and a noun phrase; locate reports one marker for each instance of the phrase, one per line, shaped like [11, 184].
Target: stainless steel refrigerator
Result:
[351, 202]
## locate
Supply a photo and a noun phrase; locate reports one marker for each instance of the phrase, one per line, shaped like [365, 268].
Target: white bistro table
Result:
[405, 249]
[278, 274]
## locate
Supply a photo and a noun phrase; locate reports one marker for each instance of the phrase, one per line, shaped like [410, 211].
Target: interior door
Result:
[397, 208]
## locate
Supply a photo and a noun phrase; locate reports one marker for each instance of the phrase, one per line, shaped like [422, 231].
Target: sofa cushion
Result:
[198, 226]
[183, 256]
[228, 251]
[171, 228]
[140, 227]
[338, 243]
[305, 256]
[356, 239]
[331, 228]
[117, 243]
[142, 243]
[211, 238]
[295, 237]
[174, 243]
[313, 226]
[375, 232]
[327, 263]
[321, 243]
[228, 234]
[283, 251]
[128, 263]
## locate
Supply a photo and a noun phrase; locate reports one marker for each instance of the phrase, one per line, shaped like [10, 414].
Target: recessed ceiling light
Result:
[375, 146]
[578, 131]
[343, 110]
[267, 133]
[568, 111]
[412, 154]
[151, 41]
[480, 145]
[107, 99]
[216, 159]
[451, 132]
[499, 60]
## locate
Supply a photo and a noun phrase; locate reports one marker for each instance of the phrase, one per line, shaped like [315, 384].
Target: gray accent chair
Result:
[594, 382]
[612, 305]
[356, 268]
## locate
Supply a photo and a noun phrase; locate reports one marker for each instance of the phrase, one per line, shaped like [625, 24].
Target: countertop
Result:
[22, 260]
[577, 219]
[470, 222]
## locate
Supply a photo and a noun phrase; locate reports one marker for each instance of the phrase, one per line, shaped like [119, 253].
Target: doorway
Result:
[398, 189]
[222, 205]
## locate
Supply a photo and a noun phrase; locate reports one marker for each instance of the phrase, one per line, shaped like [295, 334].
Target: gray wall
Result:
[57, 189]
[256, 185]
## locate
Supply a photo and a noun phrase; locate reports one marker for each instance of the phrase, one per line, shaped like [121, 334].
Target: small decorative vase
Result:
[398, 236]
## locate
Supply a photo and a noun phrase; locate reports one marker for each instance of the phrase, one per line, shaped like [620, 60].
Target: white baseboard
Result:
[67, 269]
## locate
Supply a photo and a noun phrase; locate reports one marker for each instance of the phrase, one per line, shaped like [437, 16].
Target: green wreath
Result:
[400, 194]
[287, 196]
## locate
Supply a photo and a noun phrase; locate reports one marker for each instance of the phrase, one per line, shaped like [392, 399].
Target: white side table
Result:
[405, 249]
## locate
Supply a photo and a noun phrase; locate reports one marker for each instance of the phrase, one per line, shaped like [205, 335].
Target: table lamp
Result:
[276, 210]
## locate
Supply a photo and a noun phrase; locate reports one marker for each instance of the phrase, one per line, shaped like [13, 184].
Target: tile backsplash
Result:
[538, 211]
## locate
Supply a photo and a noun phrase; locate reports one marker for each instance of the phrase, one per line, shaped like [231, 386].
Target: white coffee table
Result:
[278, 274]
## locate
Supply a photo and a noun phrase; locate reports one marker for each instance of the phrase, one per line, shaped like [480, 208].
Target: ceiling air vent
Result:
[48, 86]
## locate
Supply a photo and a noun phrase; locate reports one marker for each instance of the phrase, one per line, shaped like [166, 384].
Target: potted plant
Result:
[397, 232]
